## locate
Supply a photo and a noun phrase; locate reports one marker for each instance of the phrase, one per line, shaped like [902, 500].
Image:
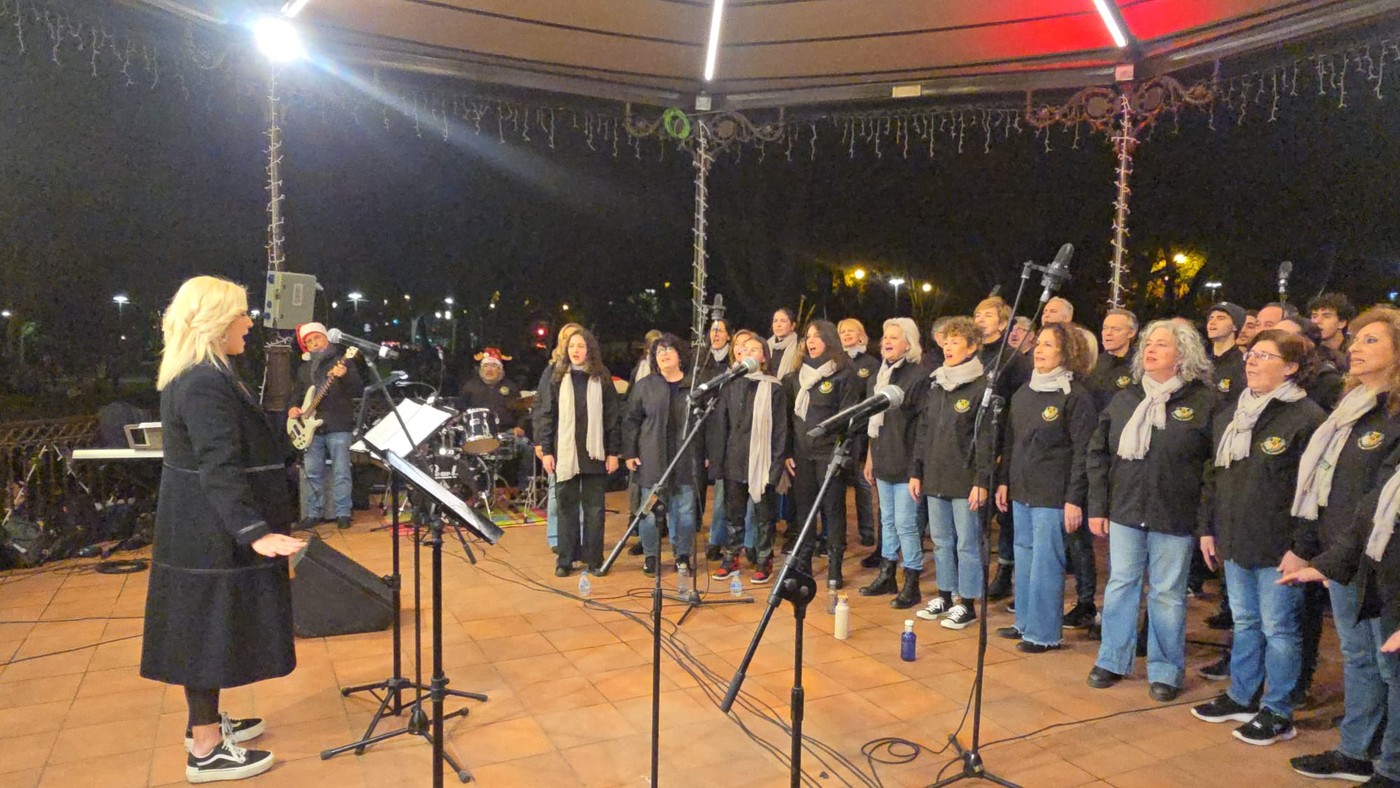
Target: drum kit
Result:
[469, 454]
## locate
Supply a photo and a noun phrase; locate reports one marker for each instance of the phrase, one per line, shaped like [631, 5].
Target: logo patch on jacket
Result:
[1369, 441]
[962, 405]
[863, 372]
[1184, 413]
[826, 387]
[1274, 445]
[505, 391]
[1224, 385]
[1123, 381]
[1050, 414]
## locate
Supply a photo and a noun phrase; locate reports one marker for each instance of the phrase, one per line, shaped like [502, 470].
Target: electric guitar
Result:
[302, 429]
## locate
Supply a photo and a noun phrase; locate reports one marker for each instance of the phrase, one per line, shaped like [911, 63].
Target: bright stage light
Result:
[278, 40]
[1110, 21]
[712, 51]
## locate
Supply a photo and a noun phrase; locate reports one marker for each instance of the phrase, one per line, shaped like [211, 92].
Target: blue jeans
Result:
[1268, 647]
[551, 515]
[1364, 691]
[1166, 559]
[957, 547]
[680, 519]
[337, 446]
[899, 526]
[1040, 572]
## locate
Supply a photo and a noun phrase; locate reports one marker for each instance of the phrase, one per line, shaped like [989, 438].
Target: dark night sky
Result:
[109, 188]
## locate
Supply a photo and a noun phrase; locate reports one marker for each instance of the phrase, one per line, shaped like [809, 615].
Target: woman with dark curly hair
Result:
[1043, 479]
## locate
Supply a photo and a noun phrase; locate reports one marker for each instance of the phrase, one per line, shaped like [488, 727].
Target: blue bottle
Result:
[906, 641]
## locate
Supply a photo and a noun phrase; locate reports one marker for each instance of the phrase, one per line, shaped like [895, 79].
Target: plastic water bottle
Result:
[736, 586]
[842, 628]
[585, 586]
[831, 597]
[683, 580]
[907, 641]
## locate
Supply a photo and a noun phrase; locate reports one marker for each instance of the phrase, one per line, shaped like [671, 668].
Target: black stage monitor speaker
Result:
[333, 595]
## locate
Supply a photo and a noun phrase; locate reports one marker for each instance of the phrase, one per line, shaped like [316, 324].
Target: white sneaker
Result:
[227, 761]
[959, 617]
[935, 609]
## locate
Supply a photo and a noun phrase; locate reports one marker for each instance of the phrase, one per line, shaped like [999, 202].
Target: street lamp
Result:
[1178, 258]
[858, 274]
[926, 287]
[448, 300]
[355, 298]
[7, 314]
[1213, 286]
[565, 307]
[896, 283]
[121, 300]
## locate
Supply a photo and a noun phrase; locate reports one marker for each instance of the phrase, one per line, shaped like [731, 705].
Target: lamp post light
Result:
[121, 300]
[355, 298]
[1214, 287]
[896, 283]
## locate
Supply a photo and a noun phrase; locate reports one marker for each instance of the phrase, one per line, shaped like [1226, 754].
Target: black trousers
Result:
[584, 491]
[736, 504]
[204, 706]
[1086, 571]
[1316, 599]
[865, 500]
[804, 491]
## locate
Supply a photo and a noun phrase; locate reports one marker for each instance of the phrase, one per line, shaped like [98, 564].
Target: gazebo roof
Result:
[787, 52]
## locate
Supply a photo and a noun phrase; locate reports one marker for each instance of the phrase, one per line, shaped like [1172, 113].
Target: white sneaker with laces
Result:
[227, 761]
[235, 730]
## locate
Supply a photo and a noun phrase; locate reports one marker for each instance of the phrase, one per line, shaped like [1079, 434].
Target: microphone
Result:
[746, 367]
[338, 337]
[884, 399]
[1057, 273]
[1285, 270]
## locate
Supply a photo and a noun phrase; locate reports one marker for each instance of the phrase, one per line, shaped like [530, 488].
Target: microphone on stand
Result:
[1057, 273]
[338, 337]
[746, 367]
[1285, 270]
[884, 399]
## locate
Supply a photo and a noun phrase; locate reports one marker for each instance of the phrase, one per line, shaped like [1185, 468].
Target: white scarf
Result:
[643, 368]
[1150, 414]
[949, 378]
[1057, 379]
[720, 355]
[854, 351]
[785, 350]
[807, 377]
[882, 379]
[567, 444]
[761, 435]
[1239, 433]
[1319, 460]
[1387, 509]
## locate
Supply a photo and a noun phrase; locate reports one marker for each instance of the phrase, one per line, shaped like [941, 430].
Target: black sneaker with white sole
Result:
[937, 607]
[235, 730]
[1224, 709]
[960, 617]
[227, 761]
[1333, 765]
[1266, 728]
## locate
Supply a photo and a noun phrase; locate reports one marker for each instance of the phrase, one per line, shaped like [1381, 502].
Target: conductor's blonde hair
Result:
[195, 323]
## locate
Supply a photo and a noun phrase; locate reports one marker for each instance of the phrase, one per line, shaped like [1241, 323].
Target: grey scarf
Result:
[720, 355]
[1383, 524]
[807, 377]
[567, 445]
[949, 378]
[1319, 460]
[761, 435]
[1057, 379]
[785, 350]
[1150, 414]
[1234, 442]
[882, 379]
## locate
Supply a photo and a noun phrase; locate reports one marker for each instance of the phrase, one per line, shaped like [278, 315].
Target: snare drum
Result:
[508, 448]
[480, 426]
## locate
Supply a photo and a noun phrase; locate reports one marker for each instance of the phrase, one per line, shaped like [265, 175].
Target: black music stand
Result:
[421, 723]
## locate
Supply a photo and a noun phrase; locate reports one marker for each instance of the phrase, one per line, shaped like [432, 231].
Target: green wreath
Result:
[676, 124]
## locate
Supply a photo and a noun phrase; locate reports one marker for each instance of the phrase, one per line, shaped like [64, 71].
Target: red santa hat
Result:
[492, 355]
[307, 329]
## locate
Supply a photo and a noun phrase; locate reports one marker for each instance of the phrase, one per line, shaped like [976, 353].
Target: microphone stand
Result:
[989, 415]
[795, 585]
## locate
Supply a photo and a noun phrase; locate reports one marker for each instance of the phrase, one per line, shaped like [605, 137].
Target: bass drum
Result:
[480, 426]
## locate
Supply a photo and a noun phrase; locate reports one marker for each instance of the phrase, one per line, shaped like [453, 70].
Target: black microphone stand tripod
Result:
[989, 415]
[796, 585]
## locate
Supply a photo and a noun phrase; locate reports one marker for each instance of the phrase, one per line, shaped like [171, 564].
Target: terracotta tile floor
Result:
[570, 687]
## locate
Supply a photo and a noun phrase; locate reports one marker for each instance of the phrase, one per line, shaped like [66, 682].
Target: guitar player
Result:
[323, 362]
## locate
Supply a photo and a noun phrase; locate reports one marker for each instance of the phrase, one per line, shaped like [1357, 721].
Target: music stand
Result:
[427, 726]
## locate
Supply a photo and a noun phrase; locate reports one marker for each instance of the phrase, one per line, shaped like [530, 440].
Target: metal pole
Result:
[276, 259]
[703, 160]
[1125, 143]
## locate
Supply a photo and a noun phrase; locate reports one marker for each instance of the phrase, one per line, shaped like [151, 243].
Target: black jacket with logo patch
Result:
[1248, 504]
[890, 453]
[1229, 374]
[1047, 440]
[829, 396]
[1111, 375]
[1161, 492]
[944, 457]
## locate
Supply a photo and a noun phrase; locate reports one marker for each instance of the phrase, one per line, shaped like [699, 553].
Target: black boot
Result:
[1001, 586]
[883, 583]
[871, 561]
[909, 595]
